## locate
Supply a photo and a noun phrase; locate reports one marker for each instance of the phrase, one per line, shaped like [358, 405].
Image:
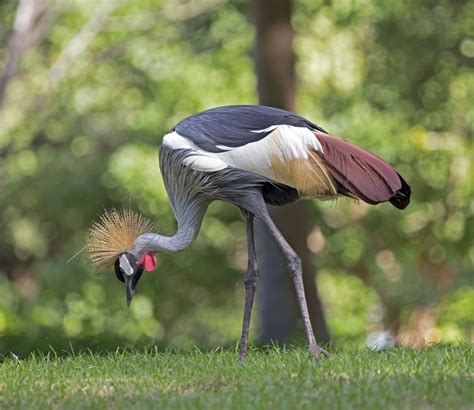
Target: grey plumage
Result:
[190, 192]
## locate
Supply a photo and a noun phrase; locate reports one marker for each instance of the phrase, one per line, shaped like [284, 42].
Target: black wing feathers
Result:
[234, 125]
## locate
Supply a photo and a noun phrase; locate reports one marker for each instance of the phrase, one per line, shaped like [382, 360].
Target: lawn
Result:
[436, 377]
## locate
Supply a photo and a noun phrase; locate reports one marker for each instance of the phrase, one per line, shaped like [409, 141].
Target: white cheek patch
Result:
[125, 265]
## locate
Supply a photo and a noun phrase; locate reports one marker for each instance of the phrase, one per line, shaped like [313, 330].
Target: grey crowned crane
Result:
[249, 156]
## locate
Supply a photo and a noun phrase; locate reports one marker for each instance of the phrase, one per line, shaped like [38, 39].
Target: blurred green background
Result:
[93, 86]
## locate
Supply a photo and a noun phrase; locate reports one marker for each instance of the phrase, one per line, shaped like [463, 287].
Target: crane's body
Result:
[251, 156]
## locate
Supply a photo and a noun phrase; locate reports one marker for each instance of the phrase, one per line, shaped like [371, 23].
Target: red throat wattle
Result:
[148, 261]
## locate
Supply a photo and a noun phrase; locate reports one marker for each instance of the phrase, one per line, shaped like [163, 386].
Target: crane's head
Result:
[111, 244]
[129, 270]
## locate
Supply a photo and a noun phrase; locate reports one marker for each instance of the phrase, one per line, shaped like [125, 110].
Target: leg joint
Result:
[294, 264]
[251, 278]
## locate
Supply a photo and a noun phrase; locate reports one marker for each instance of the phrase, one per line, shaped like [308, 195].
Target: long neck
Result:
[189, 220]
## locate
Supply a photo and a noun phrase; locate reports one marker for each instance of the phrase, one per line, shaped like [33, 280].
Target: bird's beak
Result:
[129, 288]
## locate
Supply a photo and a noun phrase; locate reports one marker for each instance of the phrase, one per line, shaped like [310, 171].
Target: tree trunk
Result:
[275, 69]
[32, 21]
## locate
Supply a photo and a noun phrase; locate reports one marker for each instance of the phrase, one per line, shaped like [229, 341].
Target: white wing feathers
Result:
[286, 151]
[202, 161]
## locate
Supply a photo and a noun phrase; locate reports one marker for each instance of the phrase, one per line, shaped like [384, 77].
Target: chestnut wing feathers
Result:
[363, 173]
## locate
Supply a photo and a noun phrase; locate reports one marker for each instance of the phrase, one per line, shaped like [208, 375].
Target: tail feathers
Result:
[363, 174]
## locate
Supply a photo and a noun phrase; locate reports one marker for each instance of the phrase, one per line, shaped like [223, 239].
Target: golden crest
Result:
[114, 233]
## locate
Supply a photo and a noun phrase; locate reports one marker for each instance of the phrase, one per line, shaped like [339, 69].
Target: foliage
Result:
[280, 379]
[393, 77]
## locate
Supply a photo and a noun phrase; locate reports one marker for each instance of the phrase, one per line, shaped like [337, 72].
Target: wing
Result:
[287, 149]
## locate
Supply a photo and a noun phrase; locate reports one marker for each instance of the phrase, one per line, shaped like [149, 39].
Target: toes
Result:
[317, 352]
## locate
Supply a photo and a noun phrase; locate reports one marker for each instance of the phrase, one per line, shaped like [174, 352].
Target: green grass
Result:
[437, 377]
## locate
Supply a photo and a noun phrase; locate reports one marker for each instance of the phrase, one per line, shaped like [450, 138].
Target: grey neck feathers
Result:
[189, 217]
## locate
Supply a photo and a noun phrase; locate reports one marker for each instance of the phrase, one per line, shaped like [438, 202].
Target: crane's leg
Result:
[294, 265]
[250, 281]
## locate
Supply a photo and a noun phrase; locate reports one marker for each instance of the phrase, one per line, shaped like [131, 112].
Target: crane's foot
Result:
[317, 352]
